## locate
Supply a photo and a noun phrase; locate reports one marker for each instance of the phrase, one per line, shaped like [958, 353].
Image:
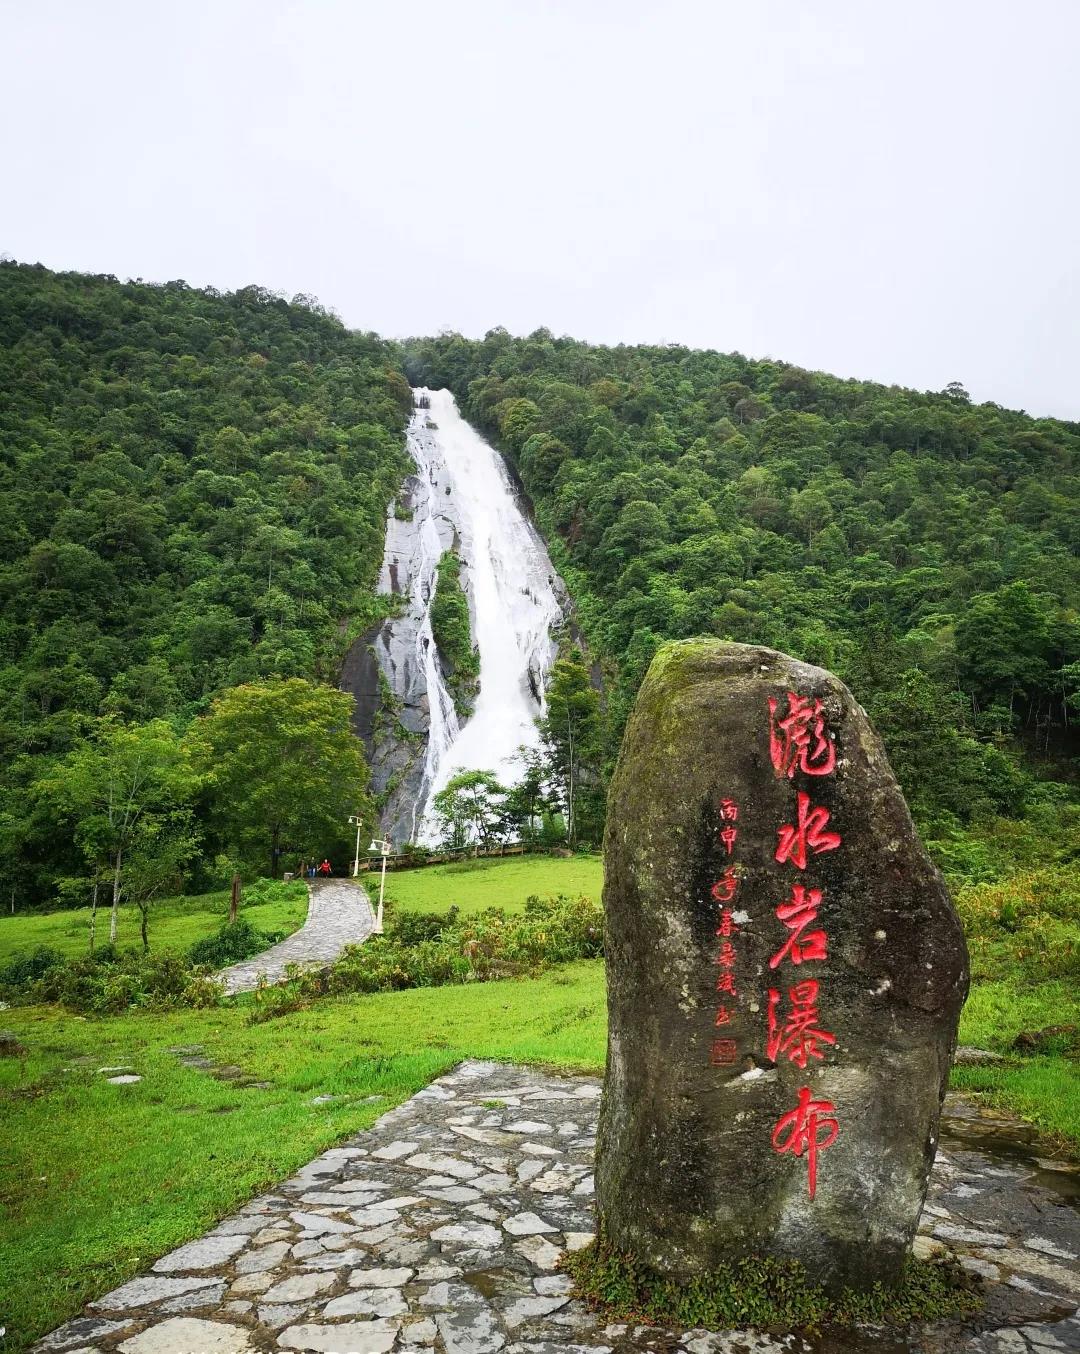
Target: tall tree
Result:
[470, 809]
[571, 731]
[282, 767]
[527, 800]
[123, 784]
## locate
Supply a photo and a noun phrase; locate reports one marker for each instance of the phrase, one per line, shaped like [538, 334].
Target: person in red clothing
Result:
[324, 868]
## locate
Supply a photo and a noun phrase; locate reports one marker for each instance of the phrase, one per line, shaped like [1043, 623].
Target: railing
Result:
[406, 860]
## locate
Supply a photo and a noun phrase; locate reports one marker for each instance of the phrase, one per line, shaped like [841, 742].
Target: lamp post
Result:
[354, 818]
[383, 847]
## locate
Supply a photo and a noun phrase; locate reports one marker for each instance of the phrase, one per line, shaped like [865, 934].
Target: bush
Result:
[107, 982]
[1026, 926]
[230, 943]
[474, 949]
[412, 928]
[22, 970]
[109, 985]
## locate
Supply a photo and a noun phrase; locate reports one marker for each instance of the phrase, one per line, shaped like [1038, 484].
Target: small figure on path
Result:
[325, 870]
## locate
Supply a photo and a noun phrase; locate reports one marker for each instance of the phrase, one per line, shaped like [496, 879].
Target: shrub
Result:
[1026, 926]
[411, 928]
[107, 982]
[230, 943]
[107, 987]
[457, 950]
[22, 970]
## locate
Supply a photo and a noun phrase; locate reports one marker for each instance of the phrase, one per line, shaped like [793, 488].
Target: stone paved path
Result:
[339, 914]
[442, 1226]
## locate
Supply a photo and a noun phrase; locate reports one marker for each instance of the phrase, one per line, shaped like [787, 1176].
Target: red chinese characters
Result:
[729, 816]
[798, 1131]
[797, 914]
[723, 1053]
[723, 893]
[799, 739]
[799, 1034]
[808, 831]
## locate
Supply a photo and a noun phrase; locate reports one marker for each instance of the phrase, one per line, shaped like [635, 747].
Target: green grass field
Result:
[1045, 1090]
[97, 1180]
[474, 885]
[175, 923]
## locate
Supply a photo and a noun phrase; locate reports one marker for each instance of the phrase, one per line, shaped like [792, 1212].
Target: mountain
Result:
[194, 487]
[923, 548]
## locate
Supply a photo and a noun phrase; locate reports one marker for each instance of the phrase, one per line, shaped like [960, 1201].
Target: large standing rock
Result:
[785, 976]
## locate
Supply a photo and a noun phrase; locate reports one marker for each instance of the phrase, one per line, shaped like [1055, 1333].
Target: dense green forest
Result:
[194, 486]
[922, 547]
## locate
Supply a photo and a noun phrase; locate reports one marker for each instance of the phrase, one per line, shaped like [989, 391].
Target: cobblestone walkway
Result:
[441, 1228]
[339, 914]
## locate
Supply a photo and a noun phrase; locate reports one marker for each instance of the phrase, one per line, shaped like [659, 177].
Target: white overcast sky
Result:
[882, 190]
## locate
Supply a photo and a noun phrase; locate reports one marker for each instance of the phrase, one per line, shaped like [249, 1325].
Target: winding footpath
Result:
[339, 914]
[441, 1229]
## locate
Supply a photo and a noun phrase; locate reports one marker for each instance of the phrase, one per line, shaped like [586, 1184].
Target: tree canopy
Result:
[282, 770]
[922, 547]
[195, 487]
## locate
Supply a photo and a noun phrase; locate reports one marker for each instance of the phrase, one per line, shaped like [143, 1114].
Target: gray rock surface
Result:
[188, 1335]
[785, 976]
[391, 656]
[495, 1291]
[358, 1337]
[207, 1253]
[339, 914]
[79, 1331]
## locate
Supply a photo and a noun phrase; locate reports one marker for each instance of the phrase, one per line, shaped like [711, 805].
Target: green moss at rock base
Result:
[766, 1294]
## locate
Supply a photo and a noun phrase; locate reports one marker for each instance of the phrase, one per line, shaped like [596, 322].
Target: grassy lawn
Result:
[98, 1180]
[1045, 1090]
[175, 923]
[474, 885]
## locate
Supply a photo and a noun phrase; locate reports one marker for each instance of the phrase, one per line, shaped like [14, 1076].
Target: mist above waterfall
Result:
[461, 497]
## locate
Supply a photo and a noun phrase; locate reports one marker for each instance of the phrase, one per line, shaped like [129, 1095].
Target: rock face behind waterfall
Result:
[388, 669]
[785, 976]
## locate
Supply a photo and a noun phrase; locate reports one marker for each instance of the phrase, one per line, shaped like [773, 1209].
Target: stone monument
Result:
[785, 977]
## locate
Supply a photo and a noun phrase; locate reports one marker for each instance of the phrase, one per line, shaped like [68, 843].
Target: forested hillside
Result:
[194, 490]
[195, 487]
[922, 547]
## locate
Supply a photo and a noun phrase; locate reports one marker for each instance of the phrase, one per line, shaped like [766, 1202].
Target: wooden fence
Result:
[406, 860]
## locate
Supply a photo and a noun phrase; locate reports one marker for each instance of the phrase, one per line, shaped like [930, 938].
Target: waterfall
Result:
[433, 533]
[513, 605]
[460, 496]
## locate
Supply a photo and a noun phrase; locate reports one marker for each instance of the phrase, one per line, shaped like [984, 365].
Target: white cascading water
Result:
[414, 546]
[513, 597]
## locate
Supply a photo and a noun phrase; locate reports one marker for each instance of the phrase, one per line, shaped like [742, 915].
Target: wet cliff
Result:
[460, 497]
